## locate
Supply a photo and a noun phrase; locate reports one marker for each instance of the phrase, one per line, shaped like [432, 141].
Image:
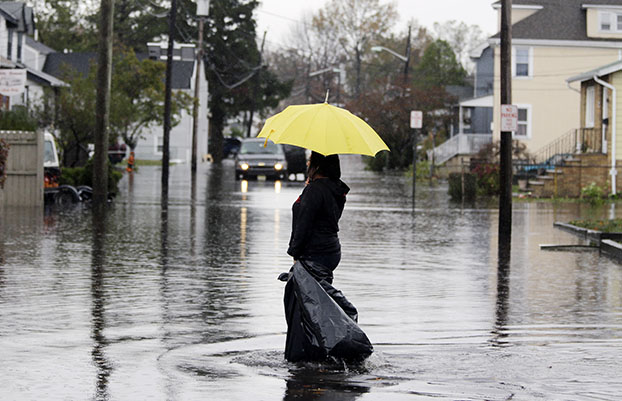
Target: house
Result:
[150, 144]
[551, 40]
[19, 51]
[600, 119]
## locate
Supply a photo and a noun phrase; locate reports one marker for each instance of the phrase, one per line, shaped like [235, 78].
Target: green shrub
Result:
[455, 186]
[84, 176]
[17, 119]
[593, 194]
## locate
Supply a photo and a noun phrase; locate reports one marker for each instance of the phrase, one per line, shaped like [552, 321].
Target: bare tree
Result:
[355, 25]
[462, 38]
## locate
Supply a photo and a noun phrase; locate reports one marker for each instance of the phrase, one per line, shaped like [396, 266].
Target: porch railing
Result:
[461, 144]
[580, 140]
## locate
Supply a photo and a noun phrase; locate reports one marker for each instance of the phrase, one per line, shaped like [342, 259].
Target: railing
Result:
[580, 140]
[461, 144]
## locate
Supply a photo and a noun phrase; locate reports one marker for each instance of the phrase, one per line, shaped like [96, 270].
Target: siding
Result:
[616, 81]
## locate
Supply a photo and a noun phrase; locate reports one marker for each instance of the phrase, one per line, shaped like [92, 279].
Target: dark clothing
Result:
[329, 260]
[321, 322]
[316, 214]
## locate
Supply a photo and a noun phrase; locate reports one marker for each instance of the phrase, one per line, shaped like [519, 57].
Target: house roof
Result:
[19, 14]
[56, 64]
[556, 20]
[42, 77]
[38, 46]
[599, 72]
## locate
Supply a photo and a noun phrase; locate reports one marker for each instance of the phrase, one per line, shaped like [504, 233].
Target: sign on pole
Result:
[12, 81]
[509, 118]
[416, 119]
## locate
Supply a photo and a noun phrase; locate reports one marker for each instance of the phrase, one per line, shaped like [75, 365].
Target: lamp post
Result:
[202, 12]
[405, 59]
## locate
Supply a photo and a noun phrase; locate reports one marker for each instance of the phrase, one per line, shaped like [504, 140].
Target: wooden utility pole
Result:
[167, 100]
[505, 172]
[195, 110]
[102, 106]
[407, 57]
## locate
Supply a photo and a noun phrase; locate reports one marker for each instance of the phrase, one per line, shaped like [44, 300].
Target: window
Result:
[524, 123]
[610, 21]
[20, 37]
[159, 145]
[522, 61]
[605, 21]
[10, 44]
[589, 107]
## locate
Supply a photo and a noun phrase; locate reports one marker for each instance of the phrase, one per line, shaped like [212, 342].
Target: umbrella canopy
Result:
[323, 128]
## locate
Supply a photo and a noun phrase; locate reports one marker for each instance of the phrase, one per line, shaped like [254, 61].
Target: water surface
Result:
[182, 303]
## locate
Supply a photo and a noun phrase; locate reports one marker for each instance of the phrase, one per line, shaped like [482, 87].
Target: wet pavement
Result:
[182, 303]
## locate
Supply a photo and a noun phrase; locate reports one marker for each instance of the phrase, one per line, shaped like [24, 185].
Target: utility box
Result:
[24, 169]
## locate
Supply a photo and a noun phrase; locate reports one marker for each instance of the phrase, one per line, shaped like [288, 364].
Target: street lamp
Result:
[202, 12]
[405, 58]
[378, 49]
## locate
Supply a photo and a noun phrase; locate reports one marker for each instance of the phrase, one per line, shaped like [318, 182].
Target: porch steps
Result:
[569, 179]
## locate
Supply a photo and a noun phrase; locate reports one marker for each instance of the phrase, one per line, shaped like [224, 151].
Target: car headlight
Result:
[278, 166]
[244, 166]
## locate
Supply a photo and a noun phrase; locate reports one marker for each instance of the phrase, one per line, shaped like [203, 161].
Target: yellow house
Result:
[550, 42]
[600, 110]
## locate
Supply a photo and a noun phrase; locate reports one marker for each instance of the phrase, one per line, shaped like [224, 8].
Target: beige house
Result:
[550, 42]
[601, 91]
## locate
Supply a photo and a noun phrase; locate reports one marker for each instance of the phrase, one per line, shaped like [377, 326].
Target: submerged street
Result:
[184, 304]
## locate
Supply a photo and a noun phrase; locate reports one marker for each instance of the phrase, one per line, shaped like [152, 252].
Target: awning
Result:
[484, 101]
[43, 78]
[599, 72]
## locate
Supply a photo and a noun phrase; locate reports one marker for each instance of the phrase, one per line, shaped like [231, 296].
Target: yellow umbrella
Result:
[323, 128]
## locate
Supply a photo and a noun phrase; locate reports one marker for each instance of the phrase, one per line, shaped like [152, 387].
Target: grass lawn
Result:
[607, 226]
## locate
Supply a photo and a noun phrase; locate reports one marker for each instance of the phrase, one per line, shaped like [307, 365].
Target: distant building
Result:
[183, 78]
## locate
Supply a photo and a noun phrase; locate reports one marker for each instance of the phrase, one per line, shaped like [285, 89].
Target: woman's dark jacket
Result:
[316, 214]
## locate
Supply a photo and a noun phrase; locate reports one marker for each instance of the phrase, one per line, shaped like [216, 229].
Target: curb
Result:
[609, 243]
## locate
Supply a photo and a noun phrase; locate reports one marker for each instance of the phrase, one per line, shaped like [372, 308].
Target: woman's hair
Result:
[327, 166]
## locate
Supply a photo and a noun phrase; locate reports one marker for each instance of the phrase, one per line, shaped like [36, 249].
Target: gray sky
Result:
[278, 16]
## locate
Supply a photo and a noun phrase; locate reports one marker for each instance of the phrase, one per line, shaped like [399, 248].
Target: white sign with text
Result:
[12, 81]
[416, 119]
[509, 118]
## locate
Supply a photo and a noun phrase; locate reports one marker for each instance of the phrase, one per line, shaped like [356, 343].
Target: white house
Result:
[19, 51]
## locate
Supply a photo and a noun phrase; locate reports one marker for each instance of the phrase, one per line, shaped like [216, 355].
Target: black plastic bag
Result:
[321, 322]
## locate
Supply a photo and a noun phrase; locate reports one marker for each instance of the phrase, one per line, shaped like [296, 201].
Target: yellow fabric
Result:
[323, 128]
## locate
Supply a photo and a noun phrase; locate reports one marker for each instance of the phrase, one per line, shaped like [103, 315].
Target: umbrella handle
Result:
[265, 143]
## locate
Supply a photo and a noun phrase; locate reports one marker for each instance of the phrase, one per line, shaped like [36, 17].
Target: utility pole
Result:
[407, 57]
[256, 83]
[195, 110]
[102, 107]
[202, 12]
[167, 100]
[505, 172]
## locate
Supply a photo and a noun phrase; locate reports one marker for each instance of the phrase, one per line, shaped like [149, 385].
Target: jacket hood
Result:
[337, 188]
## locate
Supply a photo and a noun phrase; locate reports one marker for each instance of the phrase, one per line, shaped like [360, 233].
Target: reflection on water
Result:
[98, 267]
[178, 300]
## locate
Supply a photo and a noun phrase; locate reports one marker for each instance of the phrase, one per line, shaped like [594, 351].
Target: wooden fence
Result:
[24, 181]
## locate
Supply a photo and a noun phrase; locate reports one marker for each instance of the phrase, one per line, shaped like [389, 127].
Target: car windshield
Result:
[48, 152]
[256, 147]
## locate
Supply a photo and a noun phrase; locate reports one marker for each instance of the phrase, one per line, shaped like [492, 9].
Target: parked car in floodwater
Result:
[254, 160]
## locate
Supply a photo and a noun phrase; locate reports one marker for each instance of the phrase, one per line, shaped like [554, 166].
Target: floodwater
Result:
[182, 302]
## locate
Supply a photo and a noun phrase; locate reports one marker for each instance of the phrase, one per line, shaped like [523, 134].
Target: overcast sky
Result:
[277, 16]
